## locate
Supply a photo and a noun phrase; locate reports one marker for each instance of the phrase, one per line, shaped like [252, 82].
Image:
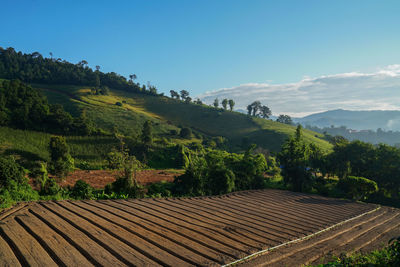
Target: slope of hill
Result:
[169, 114]
[357, 120]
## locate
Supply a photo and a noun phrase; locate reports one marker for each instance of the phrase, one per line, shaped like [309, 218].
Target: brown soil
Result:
[202, 231]
[100, 178]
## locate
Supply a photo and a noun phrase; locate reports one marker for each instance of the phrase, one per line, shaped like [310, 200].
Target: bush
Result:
[186, 133]
[358, 188]
[61, 162]
[82, 190]
[118, 104]
[13, 184]
[115, 160]
[160, 189]
[10, 171]
[389, 256]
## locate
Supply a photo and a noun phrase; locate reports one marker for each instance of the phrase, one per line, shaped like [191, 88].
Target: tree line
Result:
[26, 108]
[305, 166]
[35, 68]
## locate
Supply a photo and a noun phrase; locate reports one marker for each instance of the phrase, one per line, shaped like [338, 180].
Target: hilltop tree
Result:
[198, 101]
[174, 94]
[132, 77]
[265, 112]
[256, 107]
[225, 104]
[216, 103]
[286, 119]
[249, 110]
[231, 104]
[184, 94]
[188, 99]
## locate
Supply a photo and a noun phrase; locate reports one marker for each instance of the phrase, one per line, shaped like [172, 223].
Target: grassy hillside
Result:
[31, 145]
[169, 114]
[237, 127]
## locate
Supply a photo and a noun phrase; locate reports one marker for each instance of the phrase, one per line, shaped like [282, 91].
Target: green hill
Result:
[170, 114]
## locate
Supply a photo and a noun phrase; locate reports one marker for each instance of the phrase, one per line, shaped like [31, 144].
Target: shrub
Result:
[358, 188]
[160, 189]
[61, 162]
[118, 104]
[186, 133]
[10, 171]
[115, 160]
[389, 256]
[82, 190]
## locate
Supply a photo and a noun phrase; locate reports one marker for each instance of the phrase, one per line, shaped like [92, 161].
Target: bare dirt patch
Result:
[100, 178]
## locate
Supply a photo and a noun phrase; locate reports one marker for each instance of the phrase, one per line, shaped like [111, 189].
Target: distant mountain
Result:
[357, 120]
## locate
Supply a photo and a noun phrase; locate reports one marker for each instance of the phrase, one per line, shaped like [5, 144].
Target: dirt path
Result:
[201, 231]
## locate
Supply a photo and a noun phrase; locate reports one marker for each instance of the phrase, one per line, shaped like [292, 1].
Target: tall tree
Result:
[265, 112]
[147, 134]
[216, 103]
[294, 158]
[249, 109]
[132, 77]
[184, 94]
[286, 119]
[61, 162]
[225, 103]
[231, 104]
[256, 107]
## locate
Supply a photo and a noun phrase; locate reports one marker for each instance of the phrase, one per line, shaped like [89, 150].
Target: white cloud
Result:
[379, 90]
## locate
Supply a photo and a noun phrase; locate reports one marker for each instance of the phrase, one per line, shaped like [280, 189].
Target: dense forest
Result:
[34, 68]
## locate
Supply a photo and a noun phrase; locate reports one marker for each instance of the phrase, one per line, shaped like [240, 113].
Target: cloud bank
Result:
[379, 90]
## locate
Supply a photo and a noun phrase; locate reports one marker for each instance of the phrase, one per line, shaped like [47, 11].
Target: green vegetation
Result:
[61, 162]
[104, 121]
[386, 257]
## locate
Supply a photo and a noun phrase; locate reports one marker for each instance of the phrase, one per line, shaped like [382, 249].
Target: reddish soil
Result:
[202, 231]
[100, 178]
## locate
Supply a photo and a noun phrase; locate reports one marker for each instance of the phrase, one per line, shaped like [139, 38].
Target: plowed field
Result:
[190, 231]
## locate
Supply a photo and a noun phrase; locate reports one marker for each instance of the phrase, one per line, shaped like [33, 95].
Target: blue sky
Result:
[208, 45]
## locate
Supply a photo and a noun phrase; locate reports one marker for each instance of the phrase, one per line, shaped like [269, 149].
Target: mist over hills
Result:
[388, 120]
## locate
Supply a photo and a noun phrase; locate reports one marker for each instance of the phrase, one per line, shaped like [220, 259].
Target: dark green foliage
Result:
[170, 156]
[216, 103]
[380, 164]
[231, 104]
[147, 134]
[256, 109]
[160, 189]
[115, 160]
[23, 107]
[10, 171]
[286, 119]
[386, 257]
[81, 190]
[225, 104]
[118, 104]
[186, 133]
[358, 188]
[34, 68]
[13, 184]
[61, 162]
[218, 172]
[295, 160]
